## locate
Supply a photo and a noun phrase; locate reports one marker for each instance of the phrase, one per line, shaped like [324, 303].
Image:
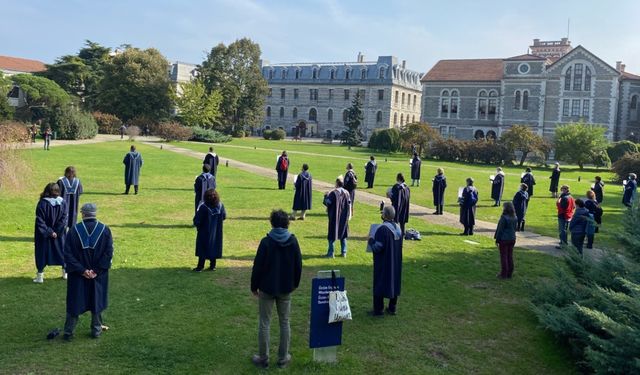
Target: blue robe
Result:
[203, 183]
[400, 196]
[439, 186]
[497, 187]
[51, 216]
[555, 180]
[468, 206]
[520, 204]
[302, 195]
[70, 191]
[132, 165]
[370, 172]
[387, 261]
[415, 168]
[208, 221]
[338, 204]
[530, 181]
[212, 160]
[630, 191]
[89, 246]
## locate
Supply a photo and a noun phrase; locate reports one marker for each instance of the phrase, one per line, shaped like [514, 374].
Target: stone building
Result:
[552, 85]
[312, 98]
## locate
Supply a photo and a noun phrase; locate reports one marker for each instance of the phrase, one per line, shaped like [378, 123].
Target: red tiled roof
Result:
[627, 75]
[17, 64]
[465, 70]
[526, 57]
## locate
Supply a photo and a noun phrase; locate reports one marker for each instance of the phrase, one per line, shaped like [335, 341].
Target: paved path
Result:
[98, 139]
[527, 240]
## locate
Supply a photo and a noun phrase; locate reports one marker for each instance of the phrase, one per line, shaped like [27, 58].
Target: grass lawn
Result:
[454, 315]
[328, 161]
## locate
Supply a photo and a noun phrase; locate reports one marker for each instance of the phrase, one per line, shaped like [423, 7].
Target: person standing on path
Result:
[350, 184]
[212, 160]
[370, 171]
[276, 273]
[123, 129]
[520, 204]
[70, 191]
[555, 180]
[209, 221]
[49, 233]
[47, 138]
[439, 186]
[302, 195]
[579, 225]
[282, 167]
[497, 187]
[468, 202]
[505, 237]
[132, 165]
[566, 206]
[415, 164]
[338, 206]
[592, 205]
[400, 196]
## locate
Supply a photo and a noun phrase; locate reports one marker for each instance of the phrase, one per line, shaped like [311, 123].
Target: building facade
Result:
[484, 97]
[312, 98]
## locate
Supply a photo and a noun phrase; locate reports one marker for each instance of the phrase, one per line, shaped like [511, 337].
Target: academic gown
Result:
[89, 246]
[520, 204]
[497, 187]
[51, 216]
[400, 196]
[70, 191]
[387, 261]
[203, 183]
[415, 168]
[208, 220]
[132, 165]
[629, 193]
[370, 172]
[468, 206]
[439, 185]
[598, 190]
[555, 180]
[338, 205]
[302, 195]
[530, 181]
[594, 209]
[282, 172]
[212, 160]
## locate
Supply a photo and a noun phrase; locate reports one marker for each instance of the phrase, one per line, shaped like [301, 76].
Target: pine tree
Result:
[353, 135]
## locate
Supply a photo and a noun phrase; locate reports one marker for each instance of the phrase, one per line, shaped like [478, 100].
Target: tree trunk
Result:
[523, 158]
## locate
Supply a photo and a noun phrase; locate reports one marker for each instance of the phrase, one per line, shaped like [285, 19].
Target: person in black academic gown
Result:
[439, 186]
[555, 180]
[630, 190]
[350, 184]
[49, 233]
[282, 167]
[386, 246]
[70, 191]
[132, 165]
[212, 160]
[416, 163]
[302, 194]
[370, 171]
[88, 253]
[400, 196]
[592, 205]
[338, 205]
[598, 189]
[528, 179]
[468, 203]
[520, 205]
[497, 187]
[205, 181]
[208, 220]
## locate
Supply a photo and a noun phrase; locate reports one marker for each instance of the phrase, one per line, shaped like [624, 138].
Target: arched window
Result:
[395, 118]
[379, 117]
[401, 119]
[493, 104]
[567, 80]
[518, 101]
[283, 74]
[525, 100]
[381, 73]
[479, 134]
[492, 135]
[453, 107]
[347, 74]
[295, 113]
[413, 118]
[332, 74]
[587, 79]
[634, 102]
[345, 115]
[313, 114]
[363, 73]
[402, 101]
[444, 103]
[482, 104]
[314, 73]
[270, 73]
[633, 108]
[297, 74]
[268, 111]
[330, 114]
[281, 112]
[415, 100]
[397, 96]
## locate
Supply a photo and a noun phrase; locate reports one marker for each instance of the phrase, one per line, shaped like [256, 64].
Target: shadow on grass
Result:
[253, 188]
[149, 225]
[15, 239]
[90, 193]
[251, 218]
[170, 189]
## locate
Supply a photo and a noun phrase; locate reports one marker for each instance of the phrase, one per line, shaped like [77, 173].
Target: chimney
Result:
[622, 68]
[360, 57]
[404, 64]
[619, 66]
[536, 42]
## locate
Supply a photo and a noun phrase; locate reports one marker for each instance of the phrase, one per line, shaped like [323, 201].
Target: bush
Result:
[173, 131]
[266, 133]
[13, 136]
[141, 122]
[209, 136]
[446, 149]
[69, 123]
[617, 150]
[385, 140]
[107, 123]
[238, 133]
[274, 135]
[132, 131]
[629, 163]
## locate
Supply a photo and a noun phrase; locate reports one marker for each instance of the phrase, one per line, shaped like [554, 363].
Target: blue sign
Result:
[321, 333]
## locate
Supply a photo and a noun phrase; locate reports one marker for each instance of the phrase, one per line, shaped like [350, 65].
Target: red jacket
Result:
[566, 206]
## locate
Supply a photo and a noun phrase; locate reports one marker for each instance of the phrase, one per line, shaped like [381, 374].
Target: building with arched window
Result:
[553, 85]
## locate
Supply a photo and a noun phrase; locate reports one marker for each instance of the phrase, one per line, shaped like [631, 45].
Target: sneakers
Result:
[39, 278]
[329, 256]
[259, 361]
[344, 255]
[197, 269]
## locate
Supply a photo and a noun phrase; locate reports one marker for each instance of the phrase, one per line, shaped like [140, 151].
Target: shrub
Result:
[238, 133]
[274, 134]
[132, 131]
[618, 149]
[69, 123]
[266, 133]
[629, 163]
[13, 136]
[385, 140]
[446, 149]
[209, 136]
[107, 123]
[173, 131]
[142, 122]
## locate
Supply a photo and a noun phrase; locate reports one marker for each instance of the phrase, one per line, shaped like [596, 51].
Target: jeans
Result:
[577, 240]
[563, 224]
[265, 306]
[506, 258]
[72, 321]
[343, 247]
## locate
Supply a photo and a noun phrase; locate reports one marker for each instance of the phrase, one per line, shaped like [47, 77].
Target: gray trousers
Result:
[72, 321]
[265, 306]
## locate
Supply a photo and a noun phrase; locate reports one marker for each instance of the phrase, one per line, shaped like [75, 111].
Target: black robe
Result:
[520, 204]
[132, 165]
[415, 168]
[212, 160]
[387, 261]
[468, 206]
[203, 183]
[497, 187]
[70, 191]
[598, 190]
[51, 216]
[208, 221]
[89, 246]
[439, 186]
[338, 204]
[302, 195]
[555, 180]
[400, 196]
[629, 193]
[530, 181]
[370, 172]
[282, 172]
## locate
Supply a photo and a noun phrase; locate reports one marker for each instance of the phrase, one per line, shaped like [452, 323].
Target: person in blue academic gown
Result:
[212, 160]
[386, 246]
[88, 253]
[497, 187]
[302, 195]
[416, 163]
[205, 181]
[350, 184]
[209, 222]
[630, 190]
[528, 179]
[400, 196]
[338, 203]
[49, 233]
[598, 189]
[468, 203]
[370, 170]
[520, 204]
[282, 167]
[132, 165]
[439, 186]
[555, 180]
[70, 191]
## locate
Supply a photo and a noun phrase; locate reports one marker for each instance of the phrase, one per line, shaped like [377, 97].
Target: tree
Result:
[353, 135]
[521, 138]
[40, 91]
[197, 107]
[419, 134]
[580, 143]
[136, 83]
[618, 149]
[235, 72]
[6, 110]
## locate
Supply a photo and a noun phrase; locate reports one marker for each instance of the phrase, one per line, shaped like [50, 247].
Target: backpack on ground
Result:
[412, 234]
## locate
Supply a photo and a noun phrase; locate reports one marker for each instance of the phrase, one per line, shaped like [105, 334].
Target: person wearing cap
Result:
[468, 203]
[527, 178]
[49, 233]
[566, 206]
[132, 165]
[555, 180]
[212, 160]
[70, 191]
[338, 203]
[630, 190]
[87, 253]
[400, 196]
[497, 186]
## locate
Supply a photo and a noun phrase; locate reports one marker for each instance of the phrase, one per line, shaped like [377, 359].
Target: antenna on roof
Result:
[568, 26]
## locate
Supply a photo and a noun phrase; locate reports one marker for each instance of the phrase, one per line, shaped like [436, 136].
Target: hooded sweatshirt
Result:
[277, 266]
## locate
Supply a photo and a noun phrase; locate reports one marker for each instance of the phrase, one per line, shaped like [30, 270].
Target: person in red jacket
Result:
[566, 206]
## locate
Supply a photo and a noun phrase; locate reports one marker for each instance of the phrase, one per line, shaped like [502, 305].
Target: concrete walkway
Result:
[98, 139]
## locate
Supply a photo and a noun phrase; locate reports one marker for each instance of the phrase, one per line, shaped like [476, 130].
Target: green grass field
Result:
[328, 161]
[454, 315]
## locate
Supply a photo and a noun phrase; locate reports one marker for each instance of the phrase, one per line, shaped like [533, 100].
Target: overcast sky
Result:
[421, 32]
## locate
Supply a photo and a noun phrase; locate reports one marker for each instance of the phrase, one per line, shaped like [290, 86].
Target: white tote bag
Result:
[339, 309]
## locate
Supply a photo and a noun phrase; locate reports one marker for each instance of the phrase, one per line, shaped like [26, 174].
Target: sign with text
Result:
[321, 333]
